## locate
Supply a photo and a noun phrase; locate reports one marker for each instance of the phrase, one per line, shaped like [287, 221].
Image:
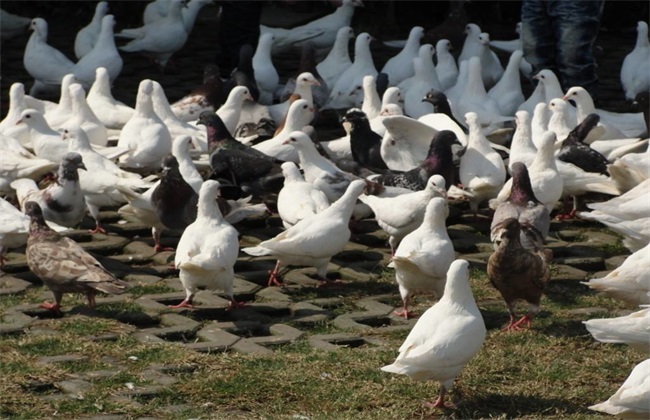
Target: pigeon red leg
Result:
[525, 320]
[156, 240]
[440, 402]
[405, 311]
[98, 229]
[187, 303]
[55, 307]
[273, 276]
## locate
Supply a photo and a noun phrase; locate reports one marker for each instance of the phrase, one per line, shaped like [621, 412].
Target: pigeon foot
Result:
[183, 304]
[405, 313]
[55, 307]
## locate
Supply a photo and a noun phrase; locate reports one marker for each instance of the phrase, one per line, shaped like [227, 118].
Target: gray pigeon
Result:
[63, 201]
[63, 265]
[522, 205]
[174, 199]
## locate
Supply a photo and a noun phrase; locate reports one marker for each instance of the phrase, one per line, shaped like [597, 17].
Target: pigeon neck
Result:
[474, 86]
[340, 48]
[360, 126]
[161, 105]
[642, 37]
[362, 54]
[143, 105]
[522, 138]
[458, 292]
[545, 157]
[38, 228]
[106, 38]
[521, 191]
[67, 173]
[101, 87]
[208, 208]
[510, 75]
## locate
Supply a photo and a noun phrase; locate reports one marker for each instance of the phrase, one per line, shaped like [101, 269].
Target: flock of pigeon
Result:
[420, 132]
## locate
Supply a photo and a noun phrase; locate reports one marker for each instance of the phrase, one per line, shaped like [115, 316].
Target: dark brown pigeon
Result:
[518, 273]
[63, 265]
[174, 200]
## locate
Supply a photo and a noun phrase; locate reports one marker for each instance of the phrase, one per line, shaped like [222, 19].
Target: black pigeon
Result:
[243, 74]
[518, 273]
[522, 205]
[364, 143]
[440, 160]
[381, 84]
[441, 106]
[236, 164]
[576, 152]
[174, 200]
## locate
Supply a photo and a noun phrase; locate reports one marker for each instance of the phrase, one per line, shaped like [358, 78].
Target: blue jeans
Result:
[559, 35]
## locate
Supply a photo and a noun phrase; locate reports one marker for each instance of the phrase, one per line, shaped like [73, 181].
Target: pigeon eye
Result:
[65, 131]
[28, 116]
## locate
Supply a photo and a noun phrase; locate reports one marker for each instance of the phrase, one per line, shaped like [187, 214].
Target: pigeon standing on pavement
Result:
[63, 265]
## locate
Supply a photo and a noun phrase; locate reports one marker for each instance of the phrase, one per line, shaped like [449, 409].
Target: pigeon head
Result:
[435, 98]
[307, 78]
[216, 129]
[522, 191]
[36, 220]
[297, 139]
[443, 140]
[437, 183]
[69, 165]
[169, 162]
[354, 115]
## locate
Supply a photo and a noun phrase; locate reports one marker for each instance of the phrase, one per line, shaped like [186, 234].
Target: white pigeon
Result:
[630, 282]
[300, 114]
[145, 135]
[560, 122]
[455, 92]
[181, 151]
[401, 215]
[491, 68]
[208, 249]
[304, 84]
[634, 74]
[426, 53]
[298, 198]
[422, 83]
[539, 122]
[175, 125]
[535, 98]
[160, 38]
[103, 184]
[17, 105]
[266, 75]
[423, 257]
[63, 111]
[44, 63]
[636, 232]
[522, 148]
[14, 229]
[87, 36]
[371, 104]
[319, 171]
[406, 142]
[12, 25]
[338, 59]
[482, 171]
[446, 68]
[62, 202]
[84, 116]
[45, 142]
[618, 125]
[353, 76]
[545, 179]
[399, 67]
[112, 113]
[104, 54]
[632, 399]
[16, 162]
[507, 91]
[445, 338]
[158, 9]
[321, 32]
[315, 239]
[632, 329]
[471, 46]
[630, 170]
[231, 110]
[475, 99]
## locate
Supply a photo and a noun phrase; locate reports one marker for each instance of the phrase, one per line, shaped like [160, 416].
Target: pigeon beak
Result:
[82, 166]
[311, 110]
[287, 141]
[249, 97]
[315, 83]
[536, 77]
[566, 98]
[357, 3]
[20, 121]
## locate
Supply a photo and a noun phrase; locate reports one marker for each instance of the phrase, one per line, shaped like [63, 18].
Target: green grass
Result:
[555, 369]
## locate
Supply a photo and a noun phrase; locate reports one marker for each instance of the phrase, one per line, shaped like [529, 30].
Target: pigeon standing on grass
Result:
[518, 273]
[445, 338]
[63, 265]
